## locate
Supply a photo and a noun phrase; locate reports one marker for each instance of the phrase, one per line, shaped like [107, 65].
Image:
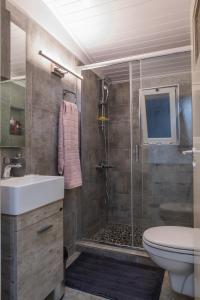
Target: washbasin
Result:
[23, 194]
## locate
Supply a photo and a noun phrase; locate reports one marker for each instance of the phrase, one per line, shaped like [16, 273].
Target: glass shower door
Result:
[161, 132]
[106, 157]
[136, 158]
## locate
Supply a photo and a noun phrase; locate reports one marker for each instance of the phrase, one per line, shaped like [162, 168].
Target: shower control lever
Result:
[103, 165]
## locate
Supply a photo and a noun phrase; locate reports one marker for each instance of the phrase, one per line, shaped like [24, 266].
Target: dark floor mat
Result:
[113, 279]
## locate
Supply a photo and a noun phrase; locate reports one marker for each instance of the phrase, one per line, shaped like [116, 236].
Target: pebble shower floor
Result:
[119, 234]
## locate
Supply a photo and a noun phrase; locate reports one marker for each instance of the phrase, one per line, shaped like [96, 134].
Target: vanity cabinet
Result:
[32, 253]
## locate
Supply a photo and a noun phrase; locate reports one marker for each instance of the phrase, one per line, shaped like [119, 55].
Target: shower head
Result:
[107, 82]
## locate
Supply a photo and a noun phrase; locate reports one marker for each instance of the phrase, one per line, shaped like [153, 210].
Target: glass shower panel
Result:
[119, 206]
[165, 197]
[106, 156]
[136, 122]
[136, 161]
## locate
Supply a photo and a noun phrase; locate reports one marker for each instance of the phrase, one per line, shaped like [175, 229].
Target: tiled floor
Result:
[166, 294]
[71, 294]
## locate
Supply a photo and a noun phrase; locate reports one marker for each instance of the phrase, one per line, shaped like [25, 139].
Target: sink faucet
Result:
[7, 169]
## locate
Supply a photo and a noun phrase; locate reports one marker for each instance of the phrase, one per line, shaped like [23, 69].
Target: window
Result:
[159, 121]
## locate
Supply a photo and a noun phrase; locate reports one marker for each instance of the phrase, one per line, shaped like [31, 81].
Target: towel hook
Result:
[65, 92]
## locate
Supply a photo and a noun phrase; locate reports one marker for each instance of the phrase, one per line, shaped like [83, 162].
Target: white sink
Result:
[22, 194]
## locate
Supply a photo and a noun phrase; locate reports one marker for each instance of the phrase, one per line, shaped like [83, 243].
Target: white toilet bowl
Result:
[172, 248]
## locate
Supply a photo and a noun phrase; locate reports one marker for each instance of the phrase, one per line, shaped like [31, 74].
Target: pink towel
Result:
[68, 146]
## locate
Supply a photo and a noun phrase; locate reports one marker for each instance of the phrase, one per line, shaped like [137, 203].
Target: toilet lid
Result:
[171, 237]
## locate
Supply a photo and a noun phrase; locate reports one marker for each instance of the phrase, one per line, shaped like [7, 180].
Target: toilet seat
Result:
[170, 238]
[168, 249]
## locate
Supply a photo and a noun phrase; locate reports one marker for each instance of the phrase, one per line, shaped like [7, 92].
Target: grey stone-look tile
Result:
[163, 174]
[119, 135]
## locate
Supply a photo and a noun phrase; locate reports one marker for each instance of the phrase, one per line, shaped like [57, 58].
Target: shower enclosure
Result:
[136, 173]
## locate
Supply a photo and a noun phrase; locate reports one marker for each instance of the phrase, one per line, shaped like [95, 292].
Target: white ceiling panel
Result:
[111, 29]
[108, 29]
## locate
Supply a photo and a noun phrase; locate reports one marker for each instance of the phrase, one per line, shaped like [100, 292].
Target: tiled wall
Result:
[92, 152]
[119, 154]
[163, 174]
[43, 99]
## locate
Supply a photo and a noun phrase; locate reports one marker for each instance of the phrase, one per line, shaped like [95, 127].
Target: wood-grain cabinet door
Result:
[40, 258]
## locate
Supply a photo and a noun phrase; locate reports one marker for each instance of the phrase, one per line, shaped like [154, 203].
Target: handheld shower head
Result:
[107, 82]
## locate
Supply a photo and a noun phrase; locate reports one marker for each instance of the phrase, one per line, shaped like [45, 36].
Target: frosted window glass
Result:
[158, 116]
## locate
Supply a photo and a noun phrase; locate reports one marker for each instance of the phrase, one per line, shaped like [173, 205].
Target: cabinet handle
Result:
[44, 229]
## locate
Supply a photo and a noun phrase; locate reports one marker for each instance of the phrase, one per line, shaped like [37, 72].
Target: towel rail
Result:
[63, 69]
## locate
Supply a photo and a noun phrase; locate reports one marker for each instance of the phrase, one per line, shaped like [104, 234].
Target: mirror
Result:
[13, 93]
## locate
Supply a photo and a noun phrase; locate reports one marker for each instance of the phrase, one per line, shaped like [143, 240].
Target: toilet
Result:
[172, 248]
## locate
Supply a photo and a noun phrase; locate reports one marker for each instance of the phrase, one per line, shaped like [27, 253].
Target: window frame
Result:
[172, 91]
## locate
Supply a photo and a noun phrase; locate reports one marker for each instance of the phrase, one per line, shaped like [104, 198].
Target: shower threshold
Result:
[119, 235]
[122, 253]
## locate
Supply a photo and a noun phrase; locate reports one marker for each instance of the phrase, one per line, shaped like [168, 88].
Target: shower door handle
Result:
[137, 150]
[193, 150]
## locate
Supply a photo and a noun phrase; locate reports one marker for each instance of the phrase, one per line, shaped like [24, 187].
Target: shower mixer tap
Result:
[103, 165]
